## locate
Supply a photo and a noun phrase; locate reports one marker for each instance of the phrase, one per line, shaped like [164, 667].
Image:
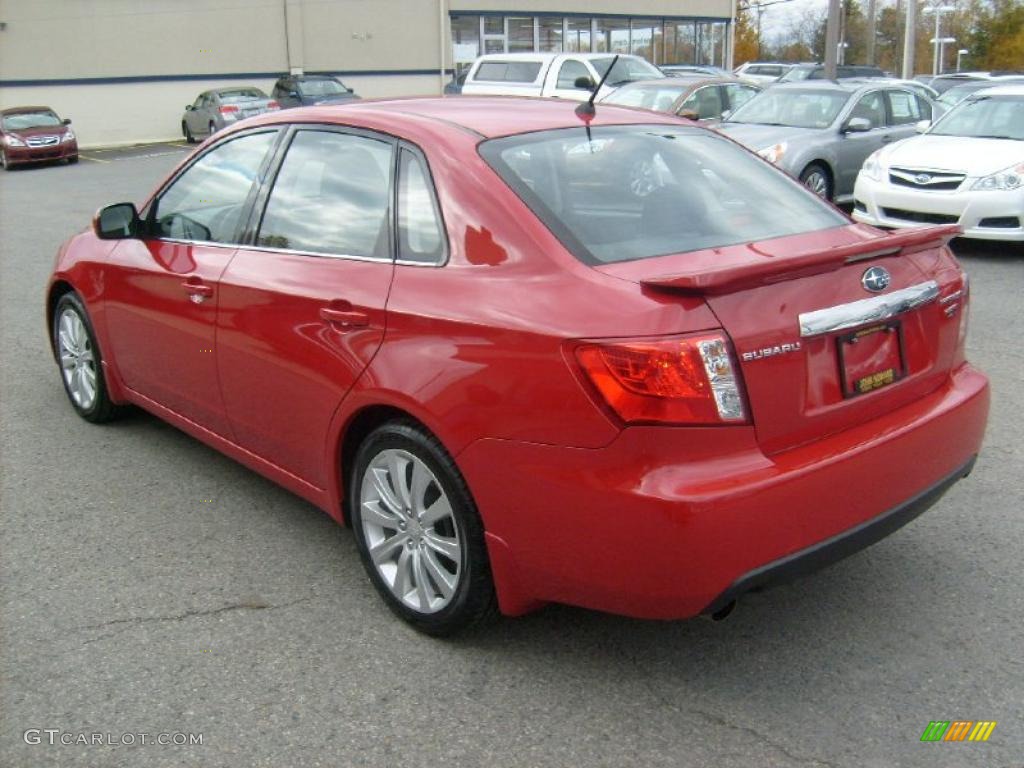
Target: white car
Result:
[558, 75]
[966, 169]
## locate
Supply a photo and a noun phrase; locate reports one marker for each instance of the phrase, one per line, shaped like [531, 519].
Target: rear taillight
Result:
[272, 105]
[683, 380]
[230, 109]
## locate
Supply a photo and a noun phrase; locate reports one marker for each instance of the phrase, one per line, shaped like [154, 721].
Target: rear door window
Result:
[332, 196]
[508, 71]
[420, 236]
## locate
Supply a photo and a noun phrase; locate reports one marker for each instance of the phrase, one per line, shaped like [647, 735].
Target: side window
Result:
[739, 95]
[571, 69]
[331, 196]
[709, 102]
[205, 203]
[872, 108]
[419, 226]
[200, 100]
[904, 108]
[924, 108]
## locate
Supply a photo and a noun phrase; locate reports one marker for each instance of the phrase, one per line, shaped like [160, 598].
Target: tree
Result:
[747, 43]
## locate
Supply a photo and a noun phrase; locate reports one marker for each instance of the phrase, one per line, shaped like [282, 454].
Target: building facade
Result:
[123, 70]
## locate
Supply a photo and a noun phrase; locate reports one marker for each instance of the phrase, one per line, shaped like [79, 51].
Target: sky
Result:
[775, 18]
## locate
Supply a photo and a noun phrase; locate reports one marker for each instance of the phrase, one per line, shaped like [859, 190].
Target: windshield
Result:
[989, 117]
[796, 73]
[321, 88]
[637, 191]
[626, 70]
[242, 94]
[955, 94]
[793, 108]
[25, 120]
[660, 98]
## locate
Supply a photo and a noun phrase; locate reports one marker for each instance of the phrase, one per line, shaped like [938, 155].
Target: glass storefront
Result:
[660, 41]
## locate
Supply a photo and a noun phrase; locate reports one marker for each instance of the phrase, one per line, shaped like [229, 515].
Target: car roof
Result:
[550, 56]
[846, 85]
[486, 116]
[20, 110]
[685, 81]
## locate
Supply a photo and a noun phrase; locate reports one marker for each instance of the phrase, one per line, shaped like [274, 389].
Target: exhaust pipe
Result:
[722, 613]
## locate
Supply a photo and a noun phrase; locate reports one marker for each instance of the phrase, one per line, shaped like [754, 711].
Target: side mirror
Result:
[66, 121]
[116, 222]
[923, 125]
[726, 113]
[689, 114]
[350, 90]
[585, 83]
[857, 125]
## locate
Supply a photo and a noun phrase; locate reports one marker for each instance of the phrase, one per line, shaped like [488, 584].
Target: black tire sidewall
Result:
[102, 408]
[818, 168]
[475, 588]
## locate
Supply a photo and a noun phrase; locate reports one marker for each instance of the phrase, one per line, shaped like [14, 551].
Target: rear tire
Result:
[73, 159]
[817, 179]
[418, 531]
[81, 364]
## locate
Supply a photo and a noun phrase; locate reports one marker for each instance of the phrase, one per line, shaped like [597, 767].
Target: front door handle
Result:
[887, 138]
[197, 292]
[344, 318]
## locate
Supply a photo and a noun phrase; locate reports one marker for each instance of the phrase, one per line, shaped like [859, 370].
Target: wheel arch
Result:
[57, 289]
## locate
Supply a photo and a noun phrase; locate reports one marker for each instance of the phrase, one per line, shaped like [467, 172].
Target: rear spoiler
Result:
[713, 278]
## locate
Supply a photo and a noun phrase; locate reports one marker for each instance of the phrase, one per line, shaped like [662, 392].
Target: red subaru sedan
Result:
[618, 362]
[35, 134]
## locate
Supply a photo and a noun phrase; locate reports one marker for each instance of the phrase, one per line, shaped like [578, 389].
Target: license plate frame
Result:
[856, 374]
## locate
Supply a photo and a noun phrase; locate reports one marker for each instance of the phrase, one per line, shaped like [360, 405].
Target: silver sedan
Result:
[214, 110]
[821, 132]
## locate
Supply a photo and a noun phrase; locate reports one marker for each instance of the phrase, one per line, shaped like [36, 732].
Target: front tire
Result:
[189, 138]
[80, 362]
[3, 161]
[418, 532]
[817, 179]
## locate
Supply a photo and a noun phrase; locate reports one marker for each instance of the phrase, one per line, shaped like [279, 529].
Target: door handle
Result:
[344, 318]
[887, 138]
[197, 292]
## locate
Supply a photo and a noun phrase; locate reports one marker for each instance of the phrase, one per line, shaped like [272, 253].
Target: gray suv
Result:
[822, 131]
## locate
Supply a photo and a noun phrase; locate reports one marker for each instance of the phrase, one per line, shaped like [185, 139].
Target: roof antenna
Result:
[586, 110]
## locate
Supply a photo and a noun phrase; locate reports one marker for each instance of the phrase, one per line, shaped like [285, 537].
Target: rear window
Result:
[634, 192]
[242, 94]
[508, 71]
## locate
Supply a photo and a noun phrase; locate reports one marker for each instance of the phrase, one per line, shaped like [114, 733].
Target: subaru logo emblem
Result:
[875, 279]
[922, 178]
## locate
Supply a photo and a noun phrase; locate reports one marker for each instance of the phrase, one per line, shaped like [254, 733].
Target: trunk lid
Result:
[818, 351]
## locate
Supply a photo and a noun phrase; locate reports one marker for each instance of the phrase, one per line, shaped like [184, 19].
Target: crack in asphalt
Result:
[251, 605]
[719, 720]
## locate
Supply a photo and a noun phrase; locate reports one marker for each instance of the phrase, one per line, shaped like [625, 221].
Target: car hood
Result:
[755, 137]
[42, 130]
[975, 157]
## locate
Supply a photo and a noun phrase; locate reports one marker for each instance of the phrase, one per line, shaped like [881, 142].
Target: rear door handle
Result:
[198, 292]
[344, 318]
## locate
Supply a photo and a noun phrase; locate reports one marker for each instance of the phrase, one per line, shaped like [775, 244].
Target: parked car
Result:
[943, 83]
[35, 134]
[817, 72]
[762, 72]
[456, 325]
[559, 75]
[967, 169]
[821, 132]
[697, 97]
[674, 70]
[307, 90]
[953, 96]
[219, 108]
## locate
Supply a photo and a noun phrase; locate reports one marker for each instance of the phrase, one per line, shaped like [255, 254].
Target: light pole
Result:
[909, 38]
[942, 41]
[959, 55]
[841, 52]
[938, 10]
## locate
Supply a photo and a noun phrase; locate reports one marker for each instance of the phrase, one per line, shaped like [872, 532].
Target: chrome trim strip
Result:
[952, 297]
[843, 316]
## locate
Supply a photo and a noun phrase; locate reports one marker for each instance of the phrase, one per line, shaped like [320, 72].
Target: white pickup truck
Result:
[557, 75]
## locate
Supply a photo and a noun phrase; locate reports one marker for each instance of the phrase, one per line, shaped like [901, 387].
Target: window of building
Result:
[465, 41]
[577, 35]
[645, 39]
[549, 34]
[331, 196]
[520, 34]
[612, 36]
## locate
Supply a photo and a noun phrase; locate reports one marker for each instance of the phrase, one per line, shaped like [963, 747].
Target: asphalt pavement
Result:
[149, 585]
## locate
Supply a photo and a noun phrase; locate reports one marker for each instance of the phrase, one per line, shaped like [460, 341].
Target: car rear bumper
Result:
[60, 151]
[673, 522]
[981, 215]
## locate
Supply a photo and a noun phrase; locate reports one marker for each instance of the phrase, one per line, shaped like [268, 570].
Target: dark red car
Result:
[461, 328]
[34, 134]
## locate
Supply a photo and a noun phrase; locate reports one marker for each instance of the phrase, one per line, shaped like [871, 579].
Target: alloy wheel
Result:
[410, 530]
[77, 361]
[817, 182]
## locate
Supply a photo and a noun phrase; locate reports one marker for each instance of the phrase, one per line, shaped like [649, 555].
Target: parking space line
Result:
[92, 159]
[175, 144]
